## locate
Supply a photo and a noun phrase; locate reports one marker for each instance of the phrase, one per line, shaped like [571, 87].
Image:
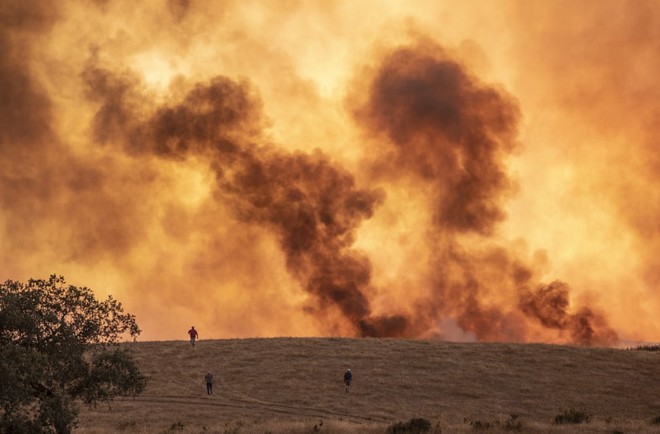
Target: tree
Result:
[59, 346]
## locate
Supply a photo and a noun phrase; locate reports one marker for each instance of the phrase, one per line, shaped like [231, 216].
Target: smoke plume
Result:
[311, 205]
[295, 169]
[444, 128]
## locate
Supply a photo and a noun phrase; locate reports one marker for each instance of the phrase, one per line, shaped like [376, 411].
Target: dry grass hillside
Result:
[293, 385]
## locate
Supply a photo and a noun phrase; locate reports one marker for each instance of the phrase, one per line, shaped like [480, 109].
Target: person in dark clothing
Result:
[348, 377]
[209, 383]
[193, 335]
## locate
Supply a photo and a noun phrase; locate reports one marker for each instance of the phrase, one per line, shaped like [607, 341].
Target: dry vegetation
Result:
[288, 385]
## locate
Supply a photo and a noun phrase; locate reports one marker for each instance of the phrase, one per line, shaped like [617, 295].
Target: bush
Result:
[655, 420]
[513, 423]
[572, 416]
[177, 426]
[59, 347]
[478, 425]
[648, 348]
[413, 426]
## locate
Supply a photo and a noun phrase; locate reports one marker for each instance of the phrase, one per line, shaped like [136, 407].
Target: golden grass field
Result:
[293, 385]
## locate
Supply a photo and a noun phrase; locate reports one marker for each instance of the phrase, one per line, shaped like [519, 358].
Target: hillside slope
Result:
[264, 384]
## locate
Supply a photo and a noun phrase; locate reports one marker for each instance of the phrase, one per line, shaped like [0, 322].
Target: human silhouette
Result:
[209, 383]
[193, 335]
[348, 377]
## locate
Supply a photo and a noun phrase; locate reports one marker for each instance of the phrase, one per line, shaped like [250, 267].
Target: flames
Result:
[257, 186]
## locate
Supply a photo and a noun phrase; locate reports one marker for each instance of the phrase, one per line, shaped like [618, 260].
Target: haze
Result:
[476, 171]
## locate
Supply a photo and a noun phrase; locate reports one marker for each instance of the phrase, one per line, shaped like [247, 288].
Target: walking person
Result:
[209, 383]
[193, 335]
[348, 377]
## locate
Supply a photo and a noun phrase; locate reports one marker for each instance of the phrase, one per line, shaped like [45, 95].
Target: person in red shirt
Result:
[193, 335]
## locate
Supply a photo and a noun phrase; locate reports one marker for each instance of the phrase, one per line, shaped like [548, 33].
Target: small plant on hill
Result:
[177, 426]
[479, 425]
[655, 420]
[317, 427]
[572, 416]
[513, 423]
[235, 429]
[413, 426]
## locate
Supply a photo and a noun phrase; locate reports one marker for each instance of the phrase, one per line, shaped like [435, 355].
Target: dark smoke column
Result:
[312, 205]
[447, 132]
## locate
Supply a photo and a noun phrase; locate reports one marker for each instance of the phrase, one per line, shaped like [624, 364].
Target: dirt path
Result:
[232, 399]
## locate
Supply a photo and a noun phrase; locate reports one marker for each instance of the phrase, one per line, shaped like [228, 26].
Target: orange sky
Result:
[483, 171]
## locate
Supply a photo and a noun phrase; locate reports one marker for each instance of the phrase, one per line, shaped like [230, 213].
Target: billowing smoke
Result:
[290, 169]
[312, 205]
[549, 303]
[445, 129]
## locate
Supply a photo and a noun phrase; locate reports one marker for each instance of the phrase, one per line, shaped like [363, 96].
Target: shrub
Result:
[513, 423]
[655, 420]
[177, 426]
[478, 425]
[572, 416]
[413, 426]
[648, 348]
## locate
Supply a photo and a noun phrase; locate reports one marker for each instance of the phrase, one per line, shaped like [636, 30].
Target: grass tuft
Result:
[513, 423]
[176, 426]
[572, 416]
[413, 426]
[479, 425]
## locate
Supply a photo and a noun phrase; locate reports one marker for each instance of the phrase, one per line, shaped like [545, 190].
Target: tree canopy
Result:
[59, 346]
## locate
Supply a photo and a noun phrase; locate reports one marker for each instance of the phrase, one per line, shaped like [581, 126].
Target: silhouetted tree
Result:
[59, 344]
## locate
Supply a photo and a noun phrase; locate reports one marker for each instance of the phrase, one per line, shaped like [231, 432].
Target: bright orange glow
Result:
[374, 168]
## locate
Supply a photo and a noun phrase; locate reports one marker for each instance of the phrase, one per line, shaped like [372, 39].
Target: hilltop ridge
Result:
[269, 382]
